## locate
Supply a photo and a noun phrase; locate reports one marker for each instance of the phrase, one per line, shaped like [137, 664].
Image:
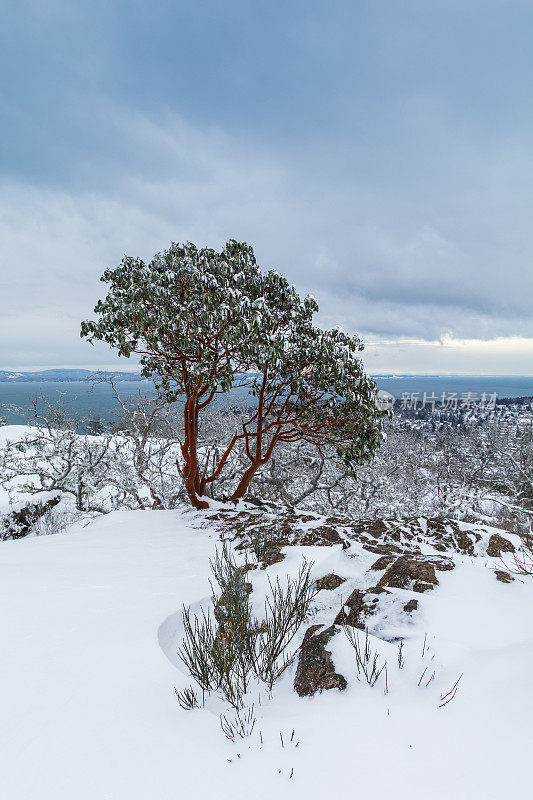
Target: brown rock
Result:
[375, 527]
[336, 520]
[502, 576]
[18, 524]
[441, 563]
[448, 535]
[385, 549]
[415, 572]
[315, 670]
[383, 562]
[322, 535]
[356, 607]
[330, 582]
[464, 543]
[498, 545]
[411, 606]
[271, 556]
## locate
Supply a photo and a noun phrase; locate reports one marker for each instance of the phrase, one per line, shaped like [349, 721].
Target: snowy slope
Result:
[89, 627]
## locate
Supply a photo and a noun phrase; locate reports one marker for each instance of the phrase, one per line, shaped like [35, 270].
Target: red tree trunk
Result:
[191, 474]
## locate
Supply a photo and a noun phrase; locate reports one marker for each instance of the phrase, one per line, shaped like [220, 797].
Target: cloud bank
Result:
[404, 210]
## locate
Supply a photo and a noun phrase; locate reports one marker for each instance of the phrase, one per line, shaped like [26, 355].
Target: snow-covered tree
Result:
[204, 322]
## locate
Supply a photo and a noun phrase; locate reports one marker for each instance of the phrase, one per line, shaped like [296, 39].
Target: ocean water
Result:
[504, 386]
[78, 398]
[85, 400]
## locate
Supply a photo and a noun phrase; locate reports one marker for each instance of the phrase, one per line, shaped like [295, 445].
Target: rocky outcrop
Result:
[503, 577]
[315, 671]
[272, 555]
[352, 610]
[402, 536]
[411, 606]
[446, 534]
[19, 523]
[323, 535]
[415, 572]
[329, 582]
[383, 562]
[498, 545]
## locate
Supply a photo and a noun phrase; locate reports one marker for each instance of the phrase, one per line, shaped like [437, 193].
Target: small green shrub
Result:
[223, 650]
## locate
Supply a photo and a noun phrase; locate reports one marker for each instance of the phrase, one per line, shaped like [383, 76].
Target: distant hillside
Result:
[61, 375]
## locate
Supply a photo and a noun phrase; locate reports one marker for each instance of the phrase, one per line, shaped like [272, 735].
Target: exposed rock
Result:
[441, 563]
[374, 527]
[272, 555]
[383, 562]
[381, 536]
[315, 670]
[330, 582]
[415, 572]
[336, 520]
[386, 549]
[18, 524]
[411, 606]
[463, 543]
[356, 607]
[502, 576]
[498, 545]
[256, 501]
[446, 534]
[322, 535]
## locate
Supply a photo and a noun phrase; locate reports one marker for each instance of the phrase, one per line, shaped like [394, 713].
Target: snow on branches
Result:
[203, 321]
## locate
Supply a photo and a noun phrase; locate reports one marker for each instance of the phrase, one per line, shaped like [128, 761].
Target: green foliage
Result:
[198, 303]
[285, 610]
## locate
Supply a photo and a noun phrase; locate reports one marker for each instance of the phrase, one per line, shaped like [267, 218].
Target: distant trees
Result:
[203, 322]
[483, 473]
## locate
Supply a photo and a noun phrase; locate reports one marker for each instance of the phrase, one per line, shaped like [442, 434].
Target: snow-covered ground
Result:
[90, 623]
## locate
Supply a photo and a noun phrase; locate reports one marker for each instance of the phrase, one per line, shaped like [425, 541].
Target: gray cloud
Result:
[387, 258]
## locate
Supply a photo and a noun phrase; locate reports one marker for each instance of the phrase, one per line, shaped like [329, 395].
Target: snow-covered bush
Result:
[479, 473]
[131, 466]
[53, 458]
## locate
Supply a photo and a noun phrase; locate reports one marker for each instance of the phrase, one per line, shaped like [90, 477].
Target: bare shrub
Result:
[366, 660]
[523, 558]
[261, 541]
[131, 465]
[225, 657]
[285, 610]
[187, 698]
[241, 725]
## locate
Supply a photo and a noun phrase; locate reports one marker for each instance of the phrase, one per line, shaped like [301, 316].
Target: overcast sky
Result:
[378, 153]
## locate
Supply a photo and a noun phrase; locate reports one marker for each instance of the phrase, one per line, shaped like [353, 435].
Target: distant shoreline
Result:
[84, 375]
[66, 376]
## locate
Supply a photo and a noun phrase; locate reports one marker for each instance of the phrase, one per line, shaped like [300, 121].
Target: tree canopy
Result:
[203, 321]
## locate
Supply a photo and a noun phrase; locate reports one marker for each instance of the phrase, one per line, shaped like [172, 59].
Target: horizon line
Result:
[382, 373]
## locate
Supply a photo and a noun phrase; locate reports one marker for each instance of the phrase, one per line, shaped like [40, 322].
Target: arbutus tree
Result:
[204, 322]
